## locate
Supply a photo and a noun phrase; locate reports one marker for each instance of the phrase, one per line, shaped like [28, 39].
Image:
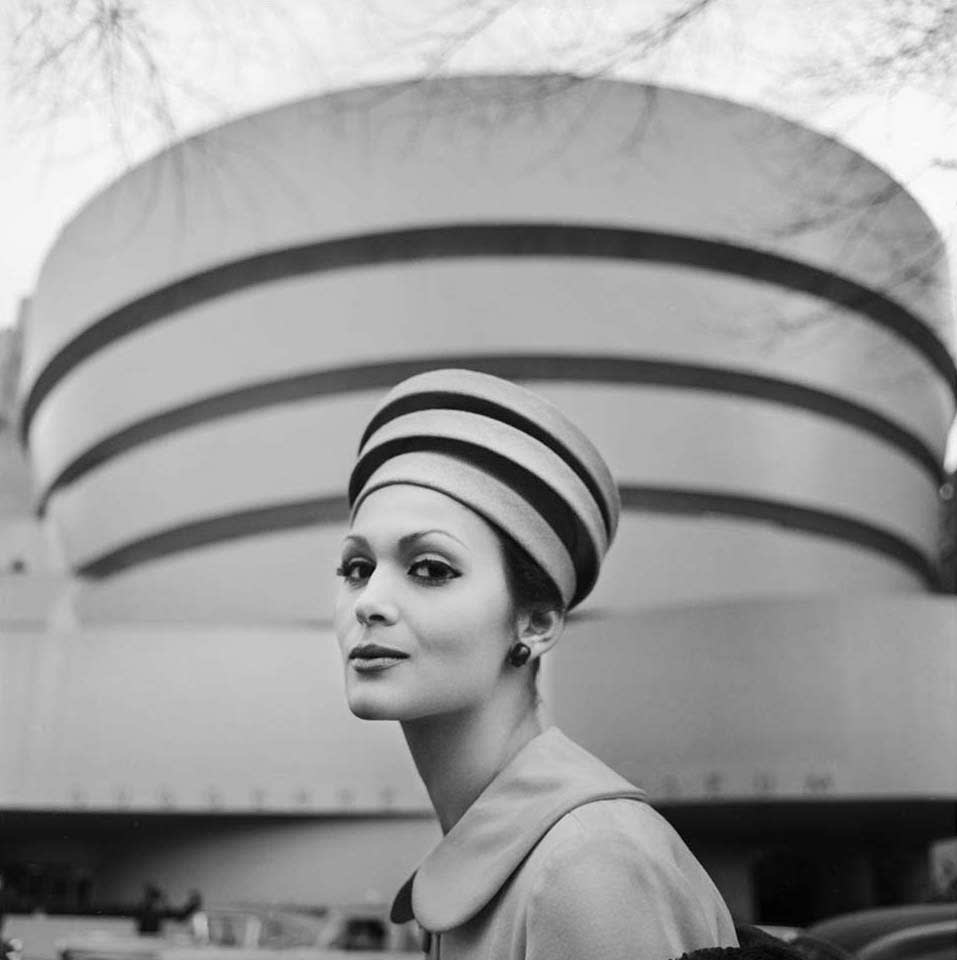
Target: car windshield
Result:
[280, 932]
[228, 929]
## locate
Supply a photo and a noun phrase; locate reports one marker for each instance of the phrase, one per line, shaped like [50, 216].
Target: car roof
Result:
[927, 941]
[852, 931]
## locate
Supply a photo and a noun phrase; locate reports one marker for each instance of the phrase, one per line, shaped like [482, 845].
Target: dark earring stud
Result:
[519, 654]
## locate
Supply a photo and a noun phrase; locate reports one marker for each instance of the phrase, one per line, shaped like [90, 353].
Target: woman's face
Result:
[423, 615]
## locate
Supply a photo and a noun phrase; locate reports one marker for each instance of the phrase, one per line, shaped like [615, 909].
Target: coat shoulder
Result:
[616, 868]
[619, 824]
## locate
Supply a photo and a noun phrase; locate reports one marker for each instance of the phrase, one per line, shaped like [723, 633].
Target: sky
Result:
[810, 62]
[219, 67]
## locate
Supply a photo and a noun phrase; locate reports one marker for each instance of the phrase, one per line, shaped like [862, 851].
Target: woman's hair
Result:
[529, 587]
[528, 584]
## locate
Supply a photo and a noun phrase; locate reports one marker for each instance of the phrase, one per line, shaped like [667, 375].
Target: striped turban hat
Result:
[506, 453]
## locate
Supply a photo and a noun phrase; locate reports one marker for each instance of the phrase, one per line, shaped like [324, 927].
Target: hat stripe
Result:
[538, 495]
[507, 442]
[469, 403]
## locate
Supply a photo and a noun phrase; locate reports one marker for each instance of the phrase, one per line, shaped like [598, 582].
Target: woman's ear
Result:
[539, 627]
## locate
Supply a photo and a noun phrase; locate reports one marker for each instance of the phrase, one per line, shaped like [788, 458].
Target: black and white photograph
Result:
[478, 480]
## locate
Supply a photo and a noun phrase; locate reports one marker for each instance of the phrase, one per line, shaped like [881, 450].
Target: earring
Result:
[519, 654]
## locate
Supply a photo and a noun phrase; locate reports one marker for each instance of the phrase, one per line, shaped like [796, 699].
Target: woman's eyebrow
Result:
[356, 539]
[410, 538]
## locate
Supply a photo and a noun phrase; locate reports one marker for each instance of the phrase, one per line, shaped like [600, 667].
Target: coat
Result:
[560, 858]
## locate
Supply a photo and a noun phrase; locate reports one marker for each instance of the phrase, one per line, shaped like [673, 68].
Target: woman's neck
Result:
[459, 755]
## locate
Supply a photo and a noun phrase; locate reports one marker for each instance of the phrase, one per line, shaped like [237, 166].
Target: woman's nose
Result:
[375, 604]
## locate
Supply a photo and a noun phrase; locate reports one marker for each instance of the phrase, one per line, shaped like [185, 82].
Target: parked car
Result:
[256, 933]
[927, 941]
[908, 932]
[366, 926]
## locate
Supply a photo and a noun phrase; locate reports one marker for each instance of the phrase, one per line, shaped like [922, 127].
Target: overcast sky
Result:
[223, 59]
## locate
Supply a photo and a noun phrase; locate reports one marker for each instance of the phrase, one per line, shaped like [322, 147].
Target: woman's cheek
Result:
[342, 620]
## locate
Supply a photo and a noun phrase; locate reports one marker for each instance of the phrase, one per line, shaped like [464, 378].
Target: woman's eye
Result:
[355, 571]
[432, 571]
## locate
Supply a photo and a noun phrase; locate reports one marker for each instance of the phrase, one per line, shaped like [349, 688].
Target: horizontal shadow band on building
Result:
[298, 514]
[490, 240]
[582, 368]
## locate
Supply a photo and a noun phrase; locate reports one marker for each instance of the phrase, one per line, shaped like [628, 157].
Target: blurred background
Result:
[717, 234]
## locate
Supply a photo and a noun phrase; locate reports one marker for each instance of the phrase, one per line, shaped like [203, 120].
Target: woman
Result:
[480, 515]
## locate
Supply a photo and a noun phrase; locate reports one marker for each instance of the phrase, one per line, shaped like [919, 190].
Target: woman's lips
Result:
[374, 664]
[372, 658]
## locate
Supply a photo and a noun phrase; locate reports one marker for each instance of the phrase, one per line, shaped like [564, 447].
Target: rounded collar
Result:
[547, 778]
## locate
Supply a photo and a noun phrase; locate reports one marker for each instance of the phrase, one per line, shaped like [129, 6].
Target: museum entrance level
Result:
[791, 863]
[787, 862]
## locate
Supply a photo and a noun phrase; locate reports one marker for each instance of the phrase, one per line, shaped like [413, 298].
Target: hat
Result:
[504, 452]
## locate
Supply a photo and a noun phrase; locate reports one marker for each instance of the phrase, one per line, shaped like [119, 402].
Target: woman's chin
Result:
[372, 708]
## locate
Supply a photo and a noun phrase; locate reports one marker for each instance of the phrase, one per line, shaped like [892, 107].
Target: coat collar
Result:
[548, 777]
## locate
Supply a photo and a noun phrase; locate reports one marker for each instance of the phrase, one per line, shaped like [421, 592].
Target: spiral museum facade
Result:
[748, 318]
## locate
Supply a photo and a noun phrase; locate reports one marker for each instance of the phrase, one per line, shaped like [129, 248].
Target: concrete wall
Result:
[811, 697]
[188, 719]
[817, 697]
[714, 294]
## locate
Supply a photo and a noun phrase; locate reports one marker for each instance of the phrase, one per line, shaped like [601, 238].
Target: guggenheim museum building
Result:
[750, 319]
